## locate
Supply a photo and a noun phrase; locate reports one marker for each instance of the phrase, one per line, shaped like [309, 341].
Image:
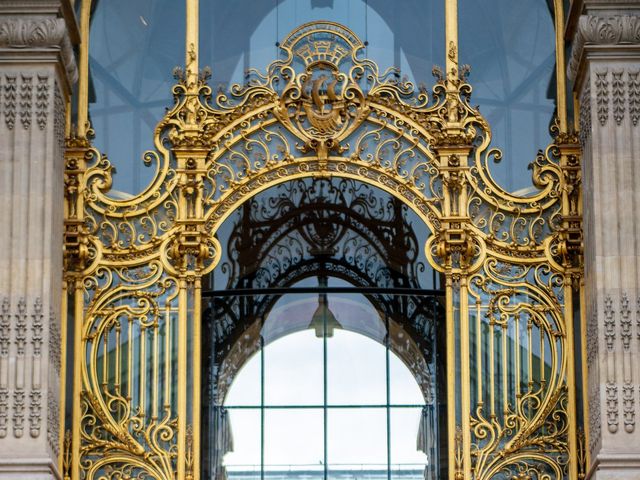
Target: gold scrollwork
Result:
[321, 110]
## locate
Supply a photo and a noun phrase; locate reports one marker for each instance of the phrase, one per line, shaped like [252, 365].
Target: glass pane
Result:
[246, 384]
[412, 357]
[356, 364]
[413, 441]
[244, 34]
[134, 48]
[293, 367]
[404, 390]
[242, 460]
[357, 439]
[513, 78]
[293, 439]
[264, 247]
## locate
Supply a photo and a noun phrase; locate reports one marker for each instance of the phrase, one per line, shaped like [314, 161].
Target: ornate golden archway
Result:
[134, 266]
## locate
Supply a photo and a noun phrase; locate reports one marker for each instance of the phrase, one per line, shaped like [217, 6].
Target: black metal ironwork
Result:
[318, 228]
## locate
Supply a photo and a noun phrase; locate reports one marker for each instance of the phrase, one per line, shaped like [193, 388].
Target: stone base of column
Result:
[616, 466]
[28, 468]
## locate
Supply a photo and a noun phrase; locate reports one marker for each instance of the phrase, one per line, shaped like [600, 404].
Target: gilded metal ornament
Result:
[134, 266]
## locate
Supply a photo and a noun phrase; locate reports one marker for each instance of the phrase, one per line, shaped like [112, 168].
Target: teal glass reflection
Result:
[134, 47]
[511, 49]
[243, 34]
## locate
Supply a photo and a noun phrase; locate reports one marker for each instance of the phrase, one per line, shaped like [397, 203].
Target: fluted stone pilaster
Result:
[605, 65]
[37, 68]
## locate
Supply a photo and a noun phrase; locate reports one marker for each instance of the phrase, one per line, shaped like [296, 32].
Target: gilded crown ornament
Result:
[322, 52]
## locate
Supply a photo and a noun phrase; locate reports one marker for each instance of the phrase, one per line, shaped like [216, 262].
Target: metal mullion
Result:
[318, 407]
[436, 397]
[388, 397]
[262, 406]
[325, 393]
[307, 290]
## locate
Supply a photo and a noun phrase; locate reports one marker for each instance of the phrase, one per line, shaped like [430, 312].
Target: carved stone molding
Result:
[602, 96]
[595, 417]
[613, 411]
[598, 30]
[609, 323]
[26, 33]
[628, 390]
[634, 96]
[35, 405]
[585, 114]
[625, 322]
[20, 380]
[42, 101]
[22, 373]
[629, 407]
[592, 339]
[9, 100]
[24, 98]
[53, 416]
[617, 89]
[5, 341]
[26, 101]
[58, 119]
[55, 351]
[617, 93]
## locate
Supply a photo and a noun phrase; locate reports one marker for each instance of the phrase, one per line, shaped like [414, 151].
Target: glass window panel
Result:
[290, 314]
[293, 439]
[134, 47]
[357, 439]
[412, 434]
[356, 364]
[244, 459]
[246, 384]
[513, 79]
[355, 313]
[292, 328]
[293, 369]
[402, 381]
[244, 34]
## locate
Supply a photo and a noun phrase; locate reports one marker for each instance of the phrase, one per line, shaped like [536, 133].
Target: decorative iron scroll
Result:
[318, 227]
[136, 265]
[309, 227]
[282, 231]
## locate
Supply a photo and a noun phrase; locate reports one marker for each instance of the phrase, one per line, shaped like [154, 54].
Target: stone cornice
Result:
[27, 33]
[595, 30]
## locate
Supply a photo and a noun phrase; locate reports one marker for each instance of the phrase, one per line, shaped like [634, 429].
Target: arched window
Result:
[322, 339]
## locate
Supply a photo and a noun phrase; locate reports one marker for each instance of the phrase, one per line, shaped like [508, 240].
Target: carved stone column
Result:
[37, 68]
[605, 65]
